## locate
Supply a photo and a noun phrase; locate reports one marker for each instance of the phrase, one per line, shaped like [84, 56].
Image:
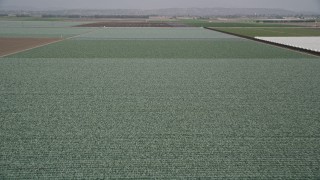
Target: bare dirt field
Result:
[11, 45]
[132, 24]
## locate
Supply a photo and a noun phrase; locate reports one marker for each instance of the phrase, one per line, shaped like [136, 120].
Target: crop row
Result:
[146, 118]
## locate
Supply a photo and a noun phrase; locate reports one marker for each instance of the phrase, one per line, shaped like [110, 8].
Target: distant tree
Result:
[23, 15]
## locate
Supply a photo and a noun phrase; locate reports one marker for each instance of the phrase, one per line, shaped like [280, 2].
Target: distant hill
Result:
[163, 12]
[181, 12]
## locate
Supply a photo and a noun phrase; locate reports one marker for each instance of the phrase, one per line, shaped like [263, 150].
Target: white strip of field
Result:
[309, 43]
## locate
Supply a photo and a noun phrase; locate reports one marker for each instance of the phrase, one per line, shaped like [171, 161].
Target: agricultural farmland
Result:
[37, 24]
[158, 43]
[158, 103]
[207, 23]
[302, 39]
[141, 23]
[153, 34]
[11, 45]
[42, 32]
[273, 32]
[308, 43]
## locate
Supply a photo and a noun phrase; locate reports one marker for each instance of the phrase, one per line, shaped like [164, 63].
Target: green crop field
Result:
[159, 49]
[206, 23]
[153, 33]
[159, 106]
[253, 32]
[166, 43]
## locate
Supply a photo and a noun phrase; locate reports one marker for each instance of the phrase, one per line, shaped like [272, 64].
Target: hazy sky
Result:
[297, 5]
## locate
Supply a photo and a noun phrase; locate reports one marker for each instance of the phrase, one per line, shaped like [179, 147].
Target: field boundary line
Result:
[282, 46]
[42, 45]
[294, 27]
[88, 32]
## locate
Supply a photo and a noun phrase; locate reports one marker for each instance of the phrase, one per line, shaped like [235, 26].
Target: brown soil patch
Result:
[12, 45]
[132, 24]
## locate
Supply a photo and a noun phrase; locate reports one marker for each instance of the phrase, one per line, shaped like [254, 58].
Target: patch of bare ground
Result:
[12, 45]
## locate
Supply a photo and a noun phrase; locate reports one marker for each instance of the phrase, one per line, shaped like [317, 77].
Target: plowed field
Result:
[11, 45]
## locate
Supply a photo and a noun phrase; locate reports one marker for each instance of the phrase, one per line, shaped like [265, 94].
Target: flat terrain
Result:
[132, 24]
[273, 32]
[158, 43]
[207, 23]
[38, 24]
[159, 49]
[46, 32]
[151, 103]
[308, 43]
[11, 45]
[153, 34]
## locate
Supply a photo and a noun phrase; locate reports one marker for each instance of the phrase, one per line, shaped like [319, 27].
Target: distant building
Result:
[284, 20]
[159, 17]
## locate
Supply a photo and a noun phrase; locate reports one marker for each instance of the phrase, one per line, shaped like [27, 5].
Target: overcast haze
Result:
[296, 5]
